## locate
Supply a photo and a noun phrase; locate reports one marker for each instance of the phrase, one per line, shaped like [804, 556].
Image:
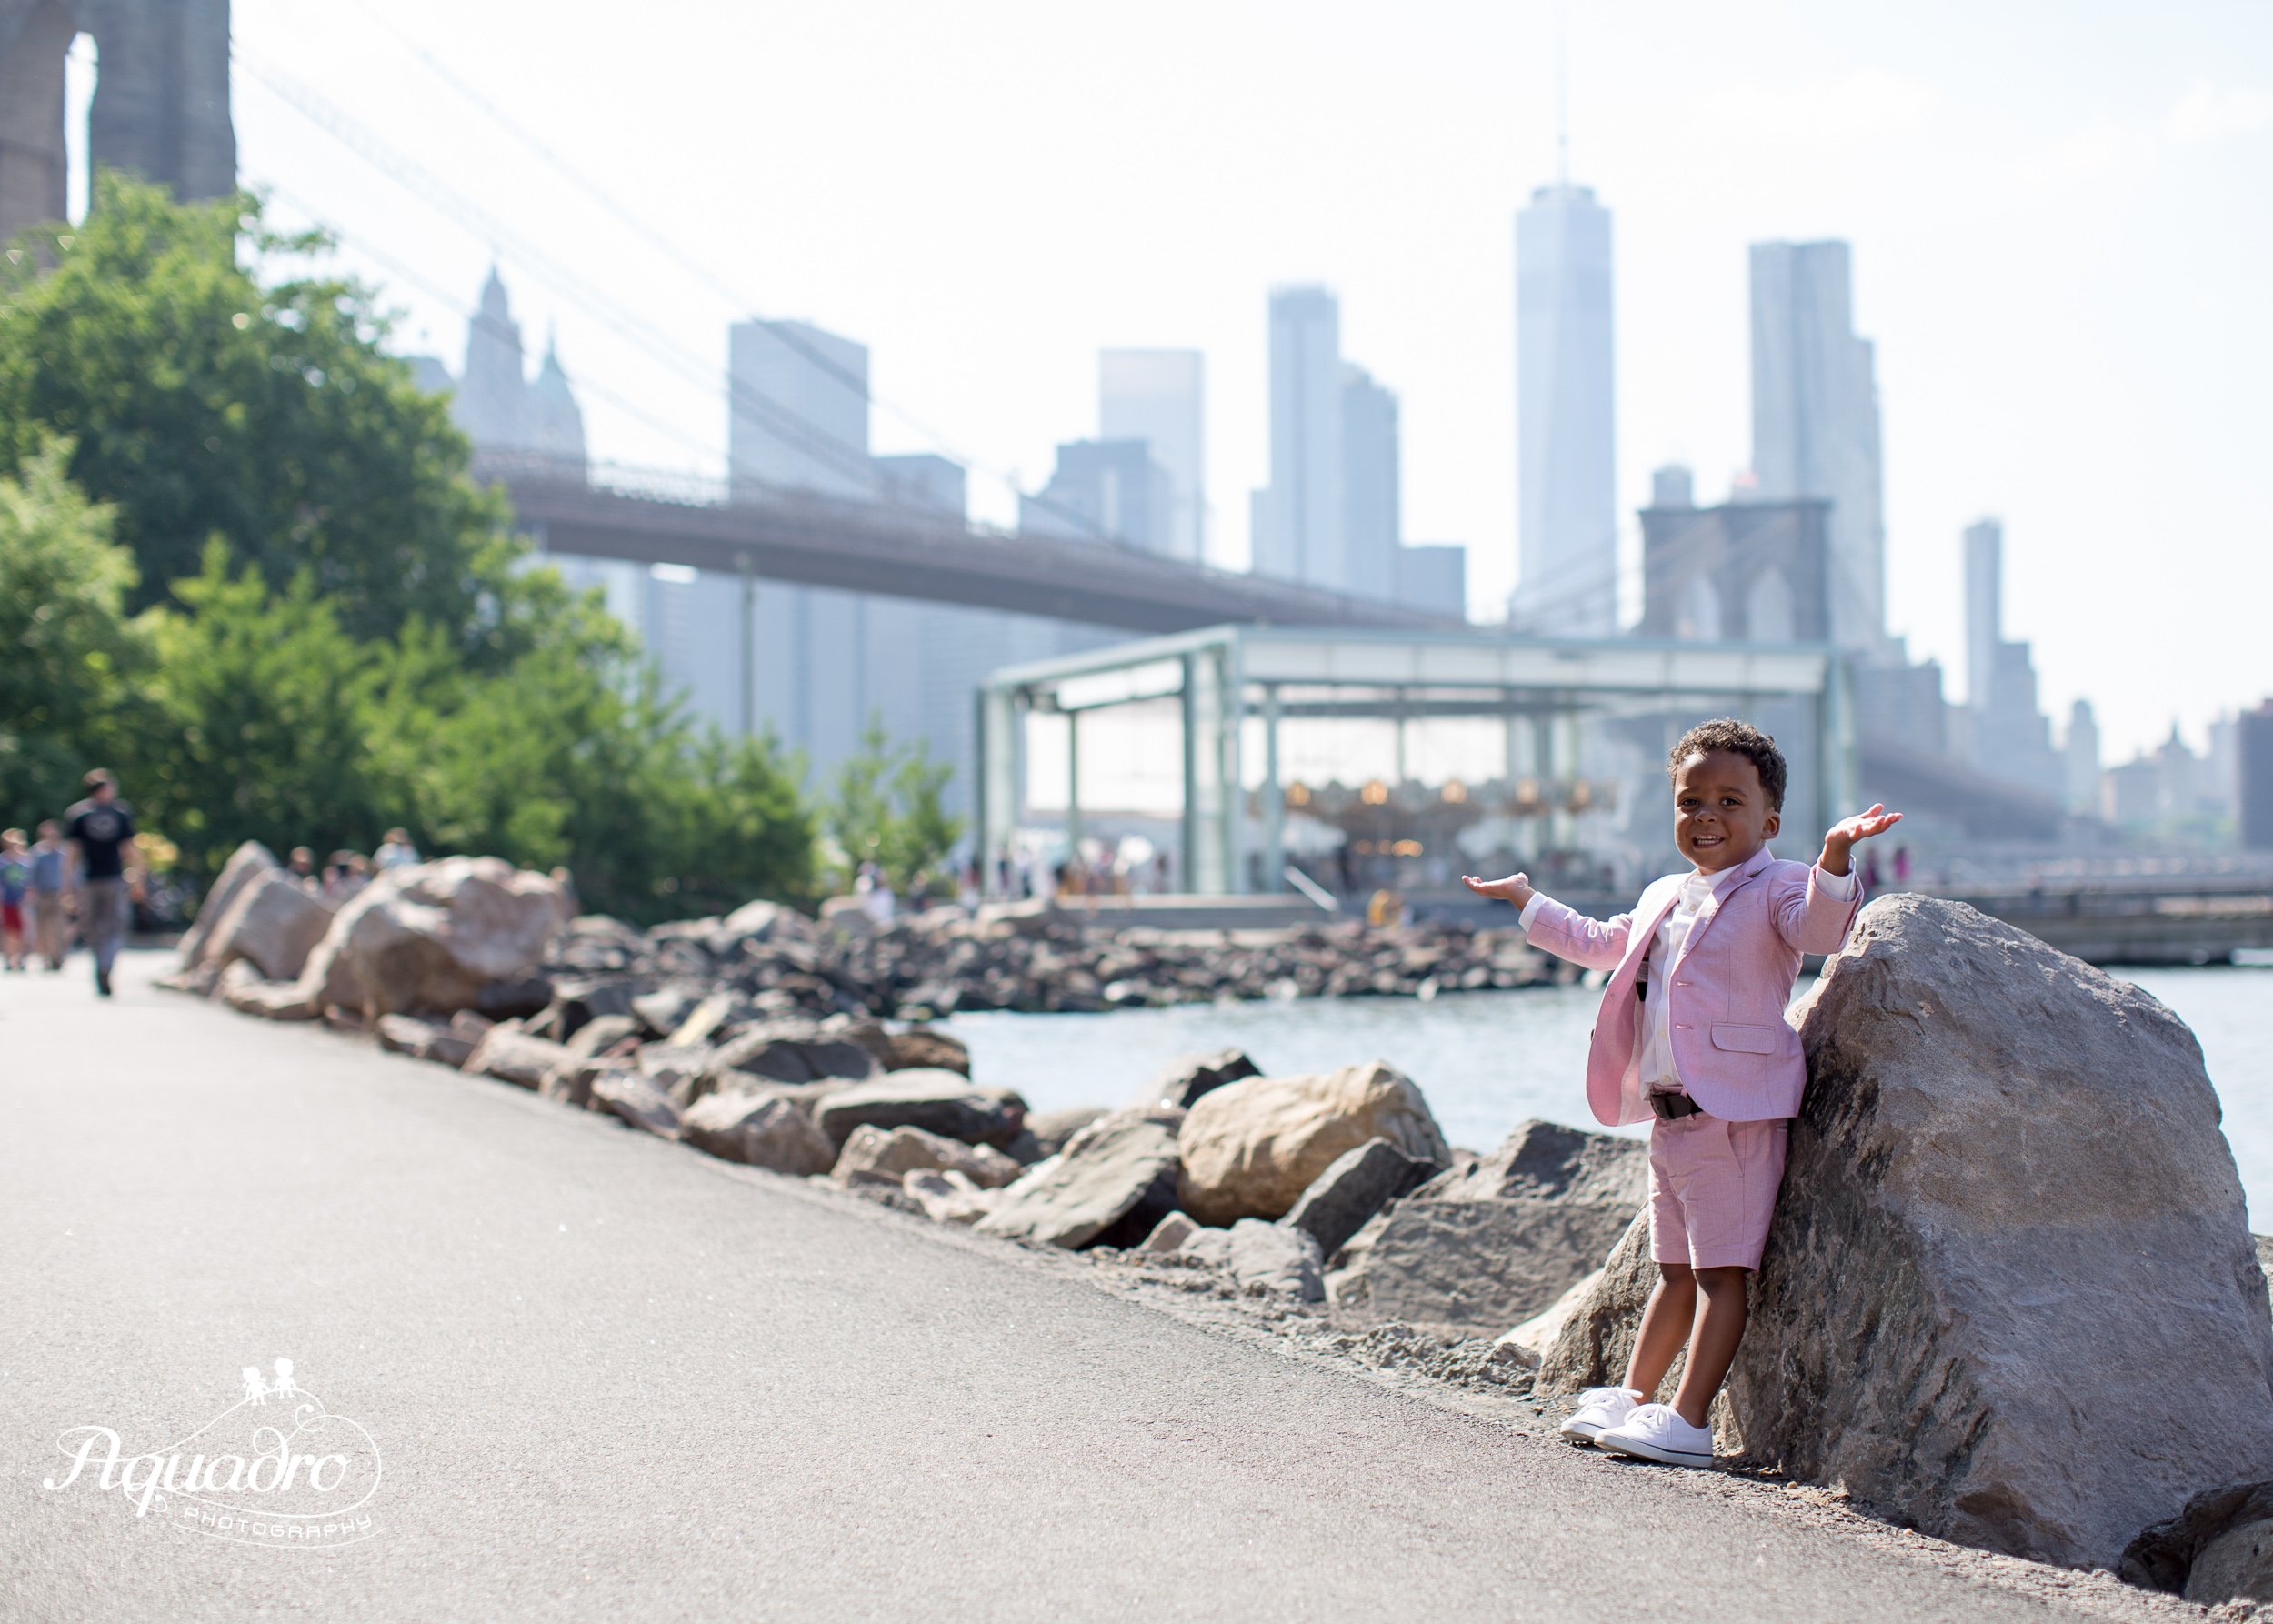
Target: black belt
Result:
[1672, 1108]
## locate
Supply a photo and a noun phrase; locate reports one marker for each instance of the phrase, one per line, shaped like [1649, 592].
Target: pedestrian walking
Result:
[16, 888]
[50, 866]
[103, 829]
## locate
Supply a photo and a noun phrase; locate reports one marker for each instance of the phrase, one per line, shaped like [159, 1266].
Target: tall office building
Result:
[2080, 752]
[797, 409]
[1565, 432]
[1104, 490]
[1155, 395]
[1814, 421]
[1299, 519]
[1984, 607]
[1373, 523]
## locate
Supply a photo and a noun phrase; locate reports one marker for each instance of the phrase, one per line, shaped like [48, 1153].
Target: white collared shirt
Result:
[1654, 1014]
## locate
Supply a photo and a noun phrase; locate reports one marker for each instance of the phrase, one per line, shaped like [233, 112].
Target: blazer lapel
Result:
[1755, 866]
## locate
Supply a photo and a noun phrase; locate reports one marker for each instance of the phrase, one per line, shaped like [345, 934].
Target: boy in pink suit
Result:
[1691, 1038]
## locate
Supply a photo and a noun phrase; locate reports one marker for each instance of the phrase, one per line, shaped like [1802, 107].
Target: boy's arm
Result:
[1562, 931]
[1814, 918]
[1567, 933]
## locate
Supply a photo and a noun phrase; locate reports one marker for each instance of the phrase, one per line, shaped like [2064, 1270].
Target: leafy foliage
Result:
[886, 806]
[200, 401]
[69, 649]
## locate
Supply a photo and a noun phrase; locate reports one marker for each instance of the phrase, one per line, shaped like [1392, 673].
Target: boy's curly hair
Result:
[1739, 738]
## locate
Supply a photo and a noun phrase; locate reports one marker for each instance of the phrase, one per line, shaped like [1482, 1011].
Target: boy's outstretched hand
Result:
[1848, 831]
[1515, 889]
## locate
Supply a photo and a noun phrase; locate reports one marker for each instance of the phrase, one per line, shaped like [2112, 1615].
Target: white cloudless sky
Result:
[2061, 213]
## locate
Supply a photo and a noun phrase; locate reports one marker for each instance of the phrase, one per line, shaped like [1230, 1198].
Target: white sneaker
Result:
[1599, 1408]
[1656, 1432]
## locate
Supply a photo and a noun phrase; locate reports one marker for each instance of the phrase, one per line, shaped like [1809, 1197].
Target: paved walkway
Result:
[614, 1379]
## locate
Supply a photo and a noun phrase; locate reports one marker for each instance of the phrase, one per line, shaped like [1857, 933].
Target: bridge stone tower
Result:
[161, 98]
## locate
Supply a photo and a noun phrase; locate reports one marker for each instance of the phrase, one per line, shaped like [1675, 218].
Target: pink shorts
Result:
[1712, 1190]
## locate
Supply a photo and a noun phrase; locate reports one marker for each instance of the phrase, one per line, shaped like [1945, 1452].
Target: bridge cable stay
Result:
[389, 160]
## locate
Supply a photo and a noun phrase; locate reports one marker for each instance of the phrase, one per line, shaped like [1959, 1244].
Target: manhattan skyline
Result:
[2053, 251]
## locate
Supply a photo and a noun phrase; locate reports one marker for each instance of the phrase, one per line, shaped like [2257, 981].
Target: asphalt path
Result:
[611, 1379]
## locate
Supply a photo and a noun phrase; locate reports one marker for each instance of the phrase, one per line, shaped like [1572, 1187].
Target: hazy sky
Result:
[2060, 212]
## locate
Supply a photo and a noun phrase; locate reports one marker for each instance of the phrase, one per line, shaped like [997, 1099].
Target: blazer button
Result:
[1681, 1026]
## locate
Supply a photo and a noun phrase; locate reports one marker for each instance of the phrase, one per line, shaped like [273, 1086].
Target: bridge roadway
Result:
[907, 552]
[611, 1379]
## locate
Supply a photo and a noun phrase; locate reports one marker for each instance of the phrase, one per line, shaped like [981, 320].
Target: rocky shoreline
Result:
[1328, 1212]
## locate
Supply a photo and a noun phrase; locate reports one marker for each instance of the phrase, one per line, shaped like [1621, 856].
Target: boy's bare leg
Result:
[1713, 1348]
[1665, 1326]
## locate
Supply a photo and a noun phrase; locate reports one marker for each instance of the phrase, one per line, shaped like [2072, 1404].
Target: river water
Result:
[1487, 1060]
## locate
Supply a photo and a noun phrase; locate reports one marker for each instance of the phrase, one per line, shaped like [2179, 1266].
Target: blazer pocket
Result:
[1750, 1040]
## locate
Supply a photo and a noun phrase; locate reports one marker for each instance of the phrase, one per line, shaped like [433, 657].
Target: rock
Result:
[429, 938]
[580, 1002]
[923, 1048]
[517, 997]
[1262, 1257]
[407, 1034]
[570, 1082]
[637, 1101]
[662, 1011]
[760, 922]
[793, 1052]
[2236, 1566]
[1251, 1148]
[602, 1033]
[947, 1196]
[1113, 1181]
[677, 1070]
[511, 1055]
[762, 1129]
[241, 988]
[2168, 1555]
[1596, 1336]
[1356, 1185]
[1493, 1241]
[1535, 1335]
[897, 1151]
[940, 1102]
[2264, 1259]
[250, 858]
[2009, 1296]
[274, 921]
[1183, 1079]
[1169, 1234]
[1051, 1130]
[705, 1022]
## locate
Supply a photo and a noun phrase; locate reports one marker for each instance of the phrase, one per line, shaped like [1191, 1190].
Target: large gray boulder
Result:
[1267, 1260]
[637, 1101]
[942, 1102]
[1113, 1181]
[273, 922]
[1358, 1184]
[1250, 1147]
[427, 938]
[1494, 1239]
[2220, 1547]
[900, 1150]
[2009, 1296]
[792, 1052]
[761, 1129]
[250, 858]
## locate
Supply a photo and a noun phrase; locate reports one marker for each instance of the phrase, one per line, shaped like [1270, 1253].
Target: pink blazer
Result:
[1737, 1056]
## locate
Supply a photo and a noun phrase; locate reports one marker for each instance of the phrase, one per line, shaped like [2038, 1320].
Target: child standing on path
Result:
[1692, 1033]
[15, 884]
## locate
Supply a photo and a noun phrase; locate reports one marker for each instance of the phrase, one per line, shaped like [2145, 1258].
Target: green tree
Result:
[886, 806]
[206, 392]
[256, 720]
[70, 653]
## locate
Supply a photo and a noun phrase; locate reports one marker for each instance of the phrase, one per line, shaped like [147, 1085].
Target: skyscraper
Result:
[1814, 421]
[1299, 520]
[1984, 608]
[1155, 395]
[797, 409]
[1104, 490]
[1566, 433]
[1373, 523]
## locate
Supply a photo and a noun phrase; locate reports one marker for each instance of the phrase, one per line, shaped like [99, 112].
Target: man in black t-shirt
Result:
[101, 827]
